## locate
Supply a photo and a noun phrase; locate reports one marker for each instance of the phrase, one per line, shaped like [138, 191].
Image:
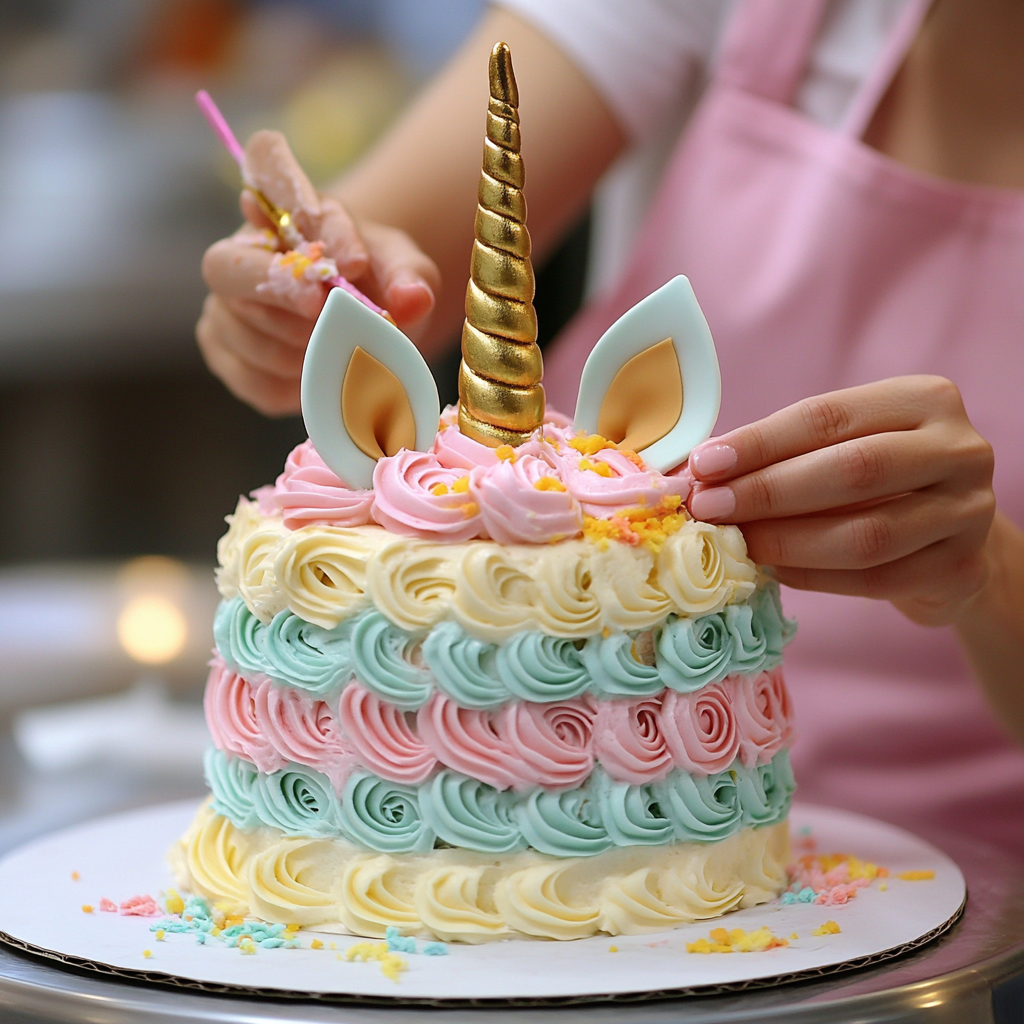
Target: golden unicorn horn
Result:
[501, 400]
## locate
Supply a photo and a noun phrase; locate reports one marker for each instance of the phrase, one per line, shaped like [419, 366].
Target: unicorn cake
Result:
[478, 674]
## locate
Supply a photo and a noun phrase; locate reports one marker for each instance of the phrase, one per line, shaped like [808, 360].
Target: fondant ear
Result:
[366, 391]
[652, 382]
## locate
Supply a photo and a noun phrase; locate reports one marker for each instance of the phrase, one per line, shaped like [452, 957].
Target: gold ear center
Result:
[644, 400]
[375, 407]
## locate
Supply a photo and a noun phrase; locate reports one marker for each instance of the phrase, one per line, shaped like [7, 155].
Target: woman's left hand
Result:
[882, 491]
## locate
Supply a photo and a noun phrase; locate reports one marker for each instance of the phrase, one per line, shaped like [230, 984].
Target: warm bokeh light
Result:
[152, 629]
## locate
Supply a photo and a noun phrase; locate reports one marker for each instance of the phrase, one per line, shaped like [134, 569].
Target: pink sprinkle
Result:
[139, 906]
[108, 906]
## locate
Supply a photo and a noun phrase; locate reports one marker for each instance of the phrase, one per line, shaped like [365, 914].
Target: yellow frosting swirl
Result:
[412, 583]
[281, 886]
[495, 594]
[244, 520]
[705, 567]
[257, 582]
[625, 583]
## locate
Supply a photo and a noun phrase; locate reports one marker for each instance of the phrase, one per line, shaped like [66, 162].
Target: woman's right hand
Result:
[255, 341]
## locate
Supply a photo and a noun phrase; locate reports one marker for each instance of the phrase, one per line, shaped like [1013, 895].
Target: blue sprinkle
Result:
[398, 943]
[806, 895]
[435, 949]
[788, 898]
[201, 938]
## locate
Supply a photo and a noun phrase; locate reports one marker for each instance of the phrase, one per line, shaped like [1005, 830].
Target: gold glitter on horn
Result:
[501, 400]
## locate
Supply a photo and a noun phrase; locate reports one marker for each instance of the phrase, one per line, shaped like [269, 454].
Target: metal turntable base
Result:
[975, 973]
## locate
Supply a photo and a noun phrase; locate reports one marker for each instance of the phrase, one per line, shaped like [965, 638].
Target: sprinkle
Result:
[435, 949]
[916, 876]
[613, 949]
[883, 886]
[391, 964]
[397, 942]
[247, 946]
[828, 928]
[86, 908]
[160, 935]
[505, 453]
[139, 906]
[147, 953]
[737, 941]
[600, 468]
[470, 509]
[634, 526]
[174, 904]
[108, 906]
[75, 876]
[591, 444]
[548, 483]
[461, 486]
[316, 944]
[439, 489]
[794, 936]
[333, 945]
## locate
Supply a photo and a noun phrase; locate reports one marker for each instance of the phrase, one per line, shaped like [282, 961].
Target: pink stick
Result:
[219, 125]
[343, 282]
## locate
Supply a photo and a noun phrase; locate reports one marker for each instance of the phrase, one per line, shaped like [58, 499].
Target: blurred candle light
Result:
[151, 626]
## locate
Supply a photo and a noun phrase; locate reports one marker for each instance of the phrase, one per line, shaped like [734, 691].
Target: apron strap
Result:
[889, 61]
[767, 44]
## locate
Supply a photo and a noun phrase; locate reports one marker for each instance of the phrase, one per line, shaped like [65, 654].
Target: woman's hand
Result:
[884, 491]
[255, 341]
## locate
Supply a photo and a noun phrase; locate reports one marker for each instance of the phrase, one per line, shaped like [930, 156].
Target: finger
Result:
[268, 394]
[845, 474]
[928, 585]
[254, 348]
[884, 533]
[341, 238]
[282, 324]
[271, 167]
[404, 278]
[234, 270]
[901, 403]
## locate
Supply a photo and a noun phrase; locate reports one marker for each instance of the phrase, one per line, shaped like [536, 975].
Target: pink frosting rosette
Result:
[230, 706]
[304, 730]
[383, 736]
[413, 496]
[627, 486]
[700, 729]
[471, 742]
[629, 742]
[515, 510]
[763, 715]
[455, 450]
[308, 493]
[554, 740]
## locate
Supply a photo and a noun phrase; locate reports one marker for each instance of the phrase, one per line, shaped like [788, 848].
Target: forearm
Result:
[422, 176]
[992, 628]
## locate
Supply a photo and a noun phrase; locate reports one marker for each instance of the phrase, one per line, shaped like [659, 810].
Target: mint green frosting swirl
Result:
[694, 652]
[776, 629]
[232, 781]
[542, 668]
[306, 656]
[749, 647]
[468, 813]
[240, 637]
[765, 791]
[563, 824]
[614, 670]
[701, 808]
[298, 801]
[384, 816]
[632, 815]
[381, 655]
[464, 667]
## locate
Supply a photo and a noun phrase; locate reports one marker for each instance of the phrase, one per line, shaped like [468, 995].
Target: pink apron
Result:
[821, 264]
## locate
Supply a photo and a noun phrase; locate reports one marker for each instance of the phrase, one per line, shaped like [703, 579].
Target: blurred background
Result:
[119, 453]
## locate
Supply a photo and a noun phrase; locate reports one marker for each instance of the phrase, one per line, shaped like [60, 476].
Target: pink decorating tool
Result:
[281, 219]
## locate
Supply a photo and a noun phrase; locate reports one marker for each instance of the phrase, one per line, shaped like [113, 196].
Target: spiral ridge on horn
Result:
[501, 400]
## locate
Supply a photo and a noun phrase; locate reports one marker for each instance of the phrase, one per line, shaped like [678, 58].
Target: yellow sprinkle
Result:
[883, 886]
[591, 444]
[159, 935]
[392, 965]
[606, 632]
[794, 936]
[316, 944]
[600, 468]
[247, 946]
[438, 489]
[460, 486]
[916, 876]
[505, 452]
[174, 904]
[548, 483]
[333, 945]
[147, 953]
[470, 509]
[231, 920]
[828, 928]
[75, 876]
[737, 941]
[613, 949]
[86, 908]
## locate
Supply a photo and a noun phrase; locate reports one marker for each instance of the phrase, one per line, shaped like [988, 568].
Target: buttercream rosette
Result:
[503, 693]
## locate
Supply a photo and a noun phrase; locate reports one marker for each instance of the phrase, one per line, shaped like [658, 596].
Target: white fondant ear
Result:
[388, 400]
[622, 397]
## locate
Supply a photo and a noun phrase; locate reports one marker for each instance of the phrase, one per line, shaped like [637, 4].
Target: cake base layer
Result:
[458, 895]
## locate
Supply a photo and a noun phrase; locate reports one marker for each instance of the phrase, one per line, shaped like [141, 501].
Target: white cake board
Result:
[125, 855]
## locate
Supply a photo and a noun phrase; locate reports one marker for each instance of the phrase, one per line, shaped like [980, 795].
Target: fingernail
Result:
[712, 503]
[710, 459]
